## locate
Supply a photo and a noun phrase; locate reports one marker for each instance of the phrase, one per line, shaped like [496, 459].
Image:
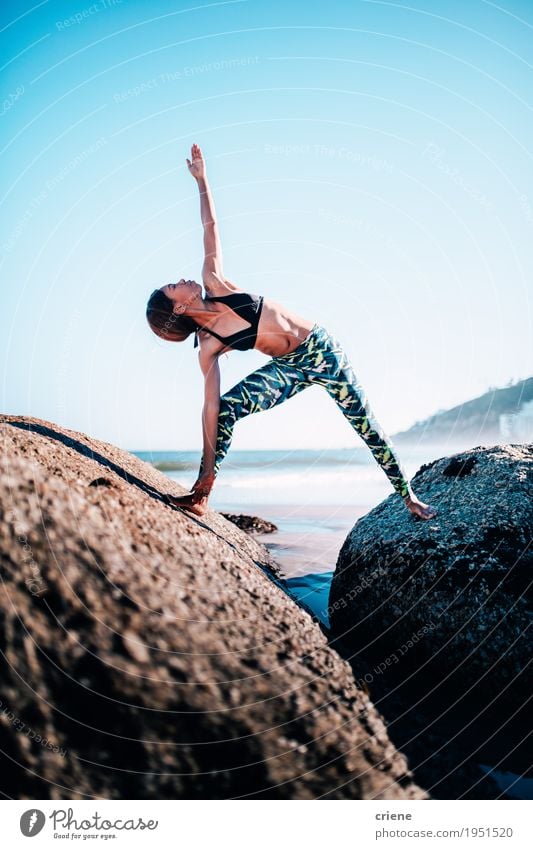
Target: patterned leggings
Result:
[319, 360]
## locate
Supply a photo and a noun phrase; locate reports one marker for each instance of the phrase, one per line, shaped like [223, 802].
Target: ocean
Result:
[338, 477]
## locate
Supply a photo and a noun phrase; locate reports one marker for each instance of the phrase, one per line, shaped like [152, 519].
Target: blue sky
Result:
[371, 165]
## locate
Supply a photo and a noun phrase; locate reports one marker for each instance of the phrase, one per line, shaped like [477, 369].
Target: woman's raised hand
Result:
[197, 166]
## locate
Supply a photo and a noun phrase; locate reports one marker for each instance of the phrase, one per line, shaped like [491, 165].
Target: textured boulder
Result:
[446, 603]
[147, 654]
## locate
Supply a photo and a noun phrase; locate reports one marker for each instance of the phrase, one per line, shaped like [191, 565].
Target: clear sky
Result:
[371, 165]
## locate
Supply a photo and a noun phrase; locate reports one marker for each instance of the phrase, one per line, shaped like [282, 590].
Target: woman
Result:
[302, 354]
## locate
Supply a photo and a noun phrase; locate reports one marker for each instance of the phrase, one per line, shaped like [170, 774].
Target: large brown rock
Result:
[444, 606]
[147, 654]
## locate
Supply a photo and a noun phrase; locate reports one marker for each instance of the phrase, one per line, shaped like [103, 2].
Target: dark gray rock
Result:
[251, 524]
[146, 654]
[446, 600]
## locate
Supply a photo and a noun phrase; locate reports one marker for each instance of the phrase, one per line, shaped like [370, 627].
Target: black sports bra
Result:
[248, 307]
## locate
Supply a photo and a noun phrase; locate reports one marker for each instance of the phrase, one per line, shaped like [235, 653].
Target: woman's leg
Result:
[263, 389]
[328, 366]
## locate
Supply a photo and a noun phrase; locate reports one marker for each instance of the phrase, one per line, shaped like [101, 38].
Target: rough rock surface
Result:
[146, 654]
[442, 607]
[463, 578]
[251, 524]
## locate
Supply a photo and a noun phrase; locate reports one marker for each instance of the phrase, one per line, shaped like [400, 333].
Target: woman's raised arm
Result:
[212, 248]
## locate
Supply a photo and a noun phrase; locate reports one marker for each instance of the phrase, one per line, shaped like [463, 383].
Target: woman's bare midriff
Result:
[280, 331]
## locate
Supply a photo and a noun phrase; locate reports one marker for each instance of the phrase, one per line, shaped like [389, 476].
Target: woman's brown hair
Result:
[164, 321]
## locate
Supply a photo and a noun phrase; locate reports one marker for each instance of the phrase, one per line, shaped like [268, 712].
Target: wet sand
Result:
[309, 537]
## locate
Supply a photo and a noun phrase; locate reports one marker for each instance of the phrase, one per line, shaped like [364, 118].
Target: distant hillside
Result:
[499, 415]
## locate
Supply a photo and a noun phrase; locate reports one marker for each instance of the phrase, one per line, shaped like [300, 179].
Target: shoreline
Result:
[309, 537]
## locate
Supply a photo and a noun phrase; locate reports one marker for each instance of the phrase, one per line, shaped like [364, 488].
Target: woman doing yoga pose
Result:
[302, 354]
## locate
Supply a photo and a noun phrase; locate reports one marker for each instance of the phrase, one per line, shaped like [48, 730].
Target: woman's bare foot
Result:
[418, 508]
[191, 502]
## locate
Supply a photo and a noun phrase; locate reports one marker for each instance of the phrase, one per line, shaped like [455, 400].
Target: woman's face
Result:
[183, 293]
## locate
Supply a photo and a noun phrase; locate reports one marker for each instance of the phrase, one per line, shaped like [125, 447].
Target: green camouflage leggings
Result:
[319, 360]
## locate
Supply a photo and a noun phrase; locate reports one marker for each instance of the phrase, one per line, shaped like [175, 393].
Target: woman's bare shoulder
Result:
[209, 347]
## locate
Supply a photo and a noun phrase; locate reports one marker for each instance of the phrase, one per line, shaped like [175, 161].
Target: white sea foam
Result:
[286, 478]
